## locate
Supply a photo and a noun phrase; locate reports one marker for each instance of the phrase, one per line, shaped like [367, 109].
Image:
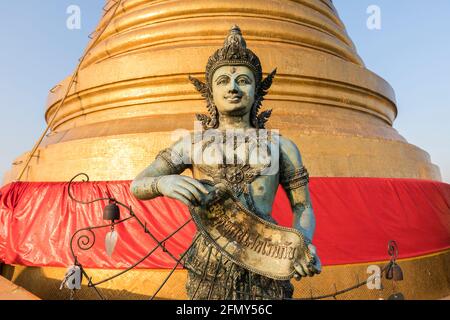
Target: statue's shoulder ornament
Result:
[293, 173]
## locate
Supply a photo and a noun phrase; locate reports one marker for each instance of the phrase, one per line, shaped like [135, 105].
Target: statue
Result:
[224, 165]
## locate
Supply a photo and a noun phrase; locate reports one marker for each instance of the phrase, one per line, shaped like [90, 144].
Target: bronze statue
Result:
[237, 167]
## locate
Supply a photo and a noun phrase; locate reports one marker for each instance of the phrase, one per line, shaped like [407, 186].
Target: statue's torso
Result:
[251, 177]
[254, 184]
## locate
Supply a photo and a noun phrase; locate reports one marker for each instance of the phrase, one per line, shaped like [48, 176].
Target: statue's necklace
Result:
[239, 174]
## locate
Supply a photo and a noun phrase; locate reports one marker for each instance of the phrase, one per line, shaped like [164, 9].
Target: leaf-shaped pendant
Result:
[110, 242]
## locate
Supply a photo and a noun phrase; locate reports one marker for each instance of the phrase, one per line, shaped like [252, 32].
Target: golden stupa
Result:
[132, 91]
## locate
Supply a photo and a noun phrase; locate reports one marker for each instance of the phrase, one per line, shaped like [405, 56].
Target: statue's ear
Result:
[207, 121]
[203, 118]
[200, 86]
[267, 82]
[263, 117]
[259, 120]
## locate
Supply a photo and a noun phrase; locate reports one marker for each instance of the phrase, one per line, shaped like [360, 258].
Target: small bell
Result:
[394, 272]
[397, 296]
[111, 212]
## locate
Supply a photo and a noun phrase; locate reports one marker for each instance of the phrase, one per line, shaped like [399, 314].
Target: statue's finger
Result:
[305, 267]
[186, 194]
[317, 268]
[192, 190]
[299, 269]
[197, 184]
[181, 198]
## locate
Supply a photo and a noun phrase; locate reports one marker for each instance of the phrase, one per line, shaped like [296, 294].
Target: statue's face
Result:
[233, 89]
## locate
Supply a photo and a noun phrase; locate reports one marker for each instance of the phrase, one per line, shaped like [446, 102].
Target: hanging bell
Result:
[111, 212]
[397, 296]
[394, 272]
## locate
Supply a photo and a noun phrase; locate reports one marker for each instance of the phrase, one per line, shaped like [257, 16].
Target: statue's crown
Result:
[234, 52]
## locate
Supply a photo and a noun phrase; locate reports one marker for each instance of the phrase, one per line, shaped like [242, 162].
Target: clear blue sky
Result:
[411, 51]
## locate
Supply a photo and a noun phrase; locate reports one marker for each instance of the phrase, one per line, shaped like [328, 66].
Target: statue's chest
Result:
[235, 178]
[234, 166]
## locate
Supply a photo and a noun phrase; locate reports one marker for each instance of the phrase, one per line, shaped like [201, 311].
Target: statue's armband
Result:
[294, 179]
[174, 160]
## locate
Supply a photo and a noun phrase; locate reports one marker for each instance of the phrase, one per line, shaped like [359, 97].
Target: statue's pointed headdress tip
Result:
[234, 52]
[235, 38]
[235, 29]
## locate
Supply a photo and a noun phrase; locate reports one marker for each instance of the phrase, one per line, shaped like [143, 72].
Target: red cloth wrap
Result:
[356, 217]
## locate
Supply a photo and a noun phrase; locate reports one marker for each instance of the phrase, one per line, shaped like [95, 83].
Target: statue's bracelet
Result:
[307, 240]
[154, 187]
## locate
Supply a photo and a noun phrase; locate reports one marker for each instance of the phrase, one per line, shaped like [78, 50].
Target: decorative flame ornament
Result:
[110, 241]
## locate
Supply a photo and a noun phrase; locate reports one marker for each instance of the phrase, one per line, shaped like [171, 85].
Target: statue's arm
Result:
[162, 178]
[146, 185]
[294, 179]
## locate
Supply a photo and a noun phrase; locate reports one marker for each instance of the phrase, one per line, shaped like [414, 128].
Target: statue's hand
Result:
[308, 268]
[185, 189]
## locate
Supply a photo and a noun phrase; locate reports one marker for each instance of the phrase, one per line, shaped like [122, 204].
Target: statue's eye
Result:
[222, 81]
[243, 81]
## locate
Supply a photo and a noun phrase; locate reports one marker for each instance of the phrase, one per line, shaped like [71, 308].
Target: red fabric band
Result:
[356, 217]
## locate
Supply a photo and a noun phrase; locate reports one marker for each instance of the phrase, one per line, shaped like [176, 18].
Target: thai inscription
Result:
[243, 237]
[260, 246]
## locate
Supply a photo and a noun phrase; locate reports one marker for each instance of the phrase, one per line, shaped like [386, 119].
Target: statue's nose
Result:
[233, 87]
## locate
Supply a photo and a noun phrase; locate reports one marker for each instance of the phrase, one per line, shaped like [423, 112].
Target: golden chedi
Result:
[133, 90]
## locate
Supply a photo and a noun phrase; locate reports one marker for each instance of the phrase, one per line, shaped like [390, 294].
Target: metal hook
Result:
[53, 90]
[393, 250]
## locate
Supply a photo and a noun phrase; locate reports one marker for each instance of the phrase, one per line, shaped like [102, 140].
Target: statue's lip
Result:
[233, 99]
